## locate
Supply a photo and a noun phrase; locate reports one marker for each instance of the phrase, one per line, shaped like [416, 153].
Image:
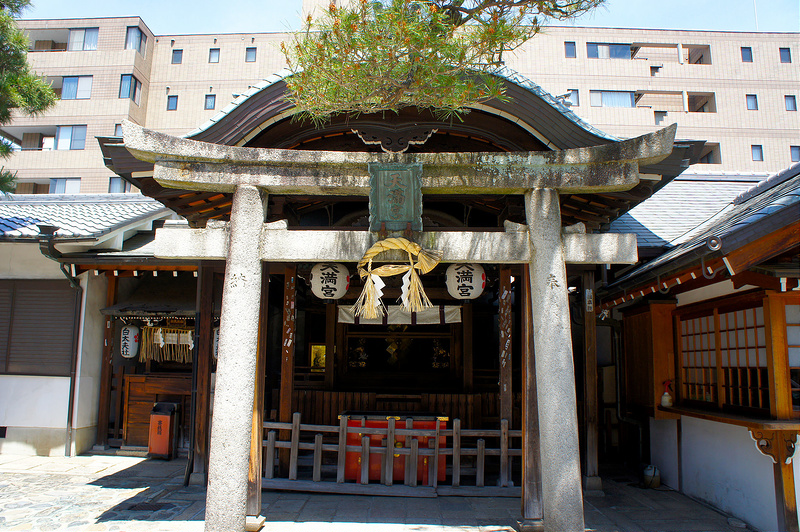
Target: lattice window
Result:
[743, 352]
[724, 359]
[698, 359]
[793, 346]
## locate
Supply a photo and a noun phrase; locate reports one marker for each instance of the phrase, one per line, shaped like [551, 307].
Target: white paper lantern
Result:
[129, 341]
[465, 281]
[330, 280]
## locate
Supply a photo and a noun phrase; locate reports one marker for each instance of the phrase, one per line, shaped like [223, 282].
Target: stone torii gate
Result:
[252, 173]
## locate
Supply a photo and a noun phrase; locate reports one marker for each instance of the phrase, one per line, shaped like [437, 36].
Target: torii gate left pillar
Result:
[539, 176]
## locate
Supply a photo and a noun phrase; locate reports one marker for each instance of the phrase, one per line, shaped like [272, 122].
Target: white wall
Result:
[33, 401]
[664, 450]
[720, 465]
[25, 261]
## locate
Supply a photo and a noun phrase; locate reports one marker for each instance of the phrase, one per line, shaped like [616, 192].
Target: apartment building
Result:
[737, 91]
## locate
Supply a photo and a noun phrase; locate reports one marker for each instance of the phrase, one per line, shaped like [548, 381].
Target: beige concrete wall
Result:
[665, 54]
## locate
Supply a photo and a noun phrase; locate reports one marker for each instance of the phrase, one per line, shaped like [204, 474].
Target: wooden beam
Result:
[532, 509]
[205, 356]
[257, 433]
[780, 394]
[287, 357]
[330, 342]
[590, 401]
[505, 321]
[762, 249]
[762, 281]
[106, 365]
[466, 320]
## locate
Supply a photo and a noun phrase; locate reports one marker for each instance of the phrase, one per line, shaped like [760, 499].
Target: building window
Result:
[250, 55]
[795, 151]
[177, 57]
[611, 99]
[117, 185]
[752, 102]
[211, 101]
[117, 130]
[790, 102]
[130, 87]
[135, 39]
[710, 154]
[83, 39]
[660, 117]
[172, 102]
[747, 54]
[569, 49]
[70, 137]
[65, 185]
[28, 308]
[213, 55]
[596, 50]
[573, 97]
[757, 152]
[76, 88]
[786, 55]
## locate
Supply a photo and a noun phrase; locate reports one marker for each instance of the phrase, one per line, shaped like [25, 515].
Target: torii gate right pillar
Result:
[562, 496]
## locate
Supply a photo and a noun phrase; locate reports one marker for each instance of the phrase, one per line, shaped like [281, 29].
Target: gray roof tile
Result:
[79, 216]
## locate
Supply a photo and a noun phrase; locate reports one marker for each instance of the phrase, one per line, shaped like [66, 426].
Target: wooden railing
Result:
[446, 460]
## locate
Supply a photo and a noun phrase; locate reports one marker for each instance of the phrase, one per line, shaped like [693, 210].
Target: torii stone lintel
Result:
[280, 244]
[195, 165]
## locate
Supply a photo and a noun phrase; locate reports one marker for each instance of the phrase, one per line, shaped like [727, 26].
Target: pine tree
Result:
[20, 88]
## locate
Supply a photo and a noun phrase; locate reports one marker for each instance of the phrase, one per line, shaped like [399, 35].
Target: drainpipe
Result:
[48, 249]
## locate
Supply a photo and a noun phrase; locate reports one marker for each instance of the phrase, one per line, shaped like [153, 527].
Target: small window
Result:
[250, 55]
[82, 39]
[611, 99]
[117, 185]
[786, 55]
[569, 49]
[177, 57]
[213, 55]
[76, 88]
[747, 54]
[752, 102]
[135, 39]
[757, 152]
[130, 87]
[65, 185]
[596, 50]
[70, 137]
[172, 102]
[710, 154]
[660, 117]
[790, 102]
[117, 130]
[795, 151]
[573, 97]
[211, 101]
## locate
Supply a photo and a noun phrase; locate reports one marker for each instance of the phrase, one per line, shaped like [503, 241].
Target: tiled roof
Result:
[767, 207]
[79, 216]
[668, 217]
[504, 72]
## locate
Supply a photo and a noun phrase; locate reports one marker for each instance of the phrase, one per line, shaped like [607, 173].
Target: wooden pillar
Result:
[504, 317]
[591, 476]
[532, 511]
[257, 434]
[205, 355]
[331, 309]
[780, 405]
[466, 327]
[106, 366]
[287, 357]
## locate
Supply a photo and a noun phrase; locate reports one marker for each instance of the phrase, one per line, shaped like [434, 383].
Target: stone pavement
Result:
[126, 494]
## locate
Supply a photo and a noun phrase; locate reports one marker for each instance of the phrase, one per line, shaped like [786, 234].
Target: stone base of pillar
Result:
[592, 484]
[197, 479]
[531, 525]
[254, 523]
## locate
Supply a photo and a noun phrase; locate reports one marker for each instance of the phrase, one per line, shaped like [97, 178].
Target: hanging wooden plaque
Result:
[395, 196]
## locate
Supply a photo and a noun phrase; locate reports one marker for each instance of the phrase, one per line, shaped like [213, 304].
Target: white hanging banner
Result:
[395, 315]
